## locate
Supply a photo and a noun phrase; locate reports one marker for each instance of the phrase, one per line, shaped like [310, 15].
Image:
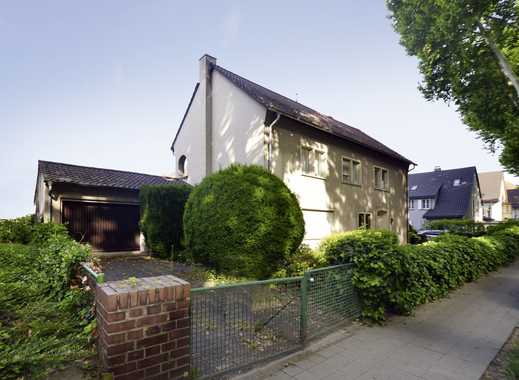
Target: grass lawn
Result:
[505, 365]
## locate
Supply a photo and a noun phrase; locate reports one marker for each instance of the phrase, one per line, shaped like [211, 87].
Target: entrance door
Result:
[105, 226]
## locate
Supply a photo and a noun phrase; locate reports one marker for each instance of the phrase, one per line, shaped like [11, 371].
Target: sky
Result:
[106, 83]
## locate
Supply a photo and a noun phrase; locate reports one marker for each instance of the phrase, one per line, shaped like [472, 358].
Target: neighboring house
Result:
[513, 201]
[99, 206]
[444, 194]
[342, 177]
[493, 195]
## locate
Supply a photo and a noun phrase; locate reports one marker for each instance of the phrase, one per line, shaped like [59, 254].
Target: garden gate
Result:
[236, 326]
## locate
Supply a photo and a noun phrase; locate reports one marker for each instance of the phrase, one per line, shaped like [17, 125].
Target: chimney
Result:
[437, 169]
[206, 91]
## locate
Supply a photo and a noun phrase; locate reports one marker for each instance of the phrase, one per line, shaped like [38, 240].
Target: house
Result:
[493, 195]
[343, 178]
[513, 202]
[99, 206]
[444, 194]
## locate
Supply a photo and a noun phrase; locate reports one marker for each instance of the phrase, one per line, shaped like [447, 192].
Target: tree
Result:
[468, 52]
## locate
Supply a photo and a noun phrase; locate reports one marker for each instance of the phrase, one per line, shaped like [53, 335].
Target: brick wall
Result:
[144, 328]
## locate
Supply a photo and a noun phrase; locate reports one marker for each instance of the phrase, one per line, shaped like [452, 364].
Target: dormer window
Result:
[414, 187]
[457, 182]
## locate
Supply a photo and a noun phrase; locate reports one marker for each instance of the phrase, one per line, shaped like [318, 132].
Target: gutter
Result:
[269, 142]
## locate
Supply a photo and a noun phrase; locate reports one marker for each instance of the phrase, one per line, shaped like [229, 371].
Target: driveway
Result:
[455, 338]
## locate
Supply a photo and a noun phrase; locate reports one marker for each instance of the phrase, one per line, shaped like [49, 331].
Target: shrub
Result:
[396, 278]
[372, 254]
[162, 209]
[243, 221]
[413, 237]
[465, 227]
[46, 318]
[17, 230]
[302, 260]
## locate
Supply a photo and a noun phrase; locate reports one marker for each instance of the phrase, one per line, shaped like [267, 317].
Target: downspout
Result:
[407, 202]
[269, 142]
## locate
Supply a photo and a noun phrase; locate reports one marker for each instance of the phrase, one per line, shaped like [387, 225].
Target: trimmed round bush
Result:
[243, 221]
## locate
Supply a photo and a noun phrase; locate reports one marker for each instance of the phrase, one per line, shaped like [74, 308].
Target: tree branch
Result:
[506, 69]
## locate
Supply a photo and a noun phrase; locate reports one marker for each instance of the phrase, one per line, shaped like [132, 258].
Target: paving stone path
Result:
[455, 338]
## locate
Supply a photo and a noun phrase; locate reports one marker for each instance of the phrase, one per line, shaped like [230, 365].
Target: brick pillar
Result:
[144, 328]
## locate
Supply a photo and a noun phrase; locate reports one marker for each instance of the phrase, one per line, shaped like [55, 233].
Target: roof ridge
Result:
[444, 170]
[97, 168]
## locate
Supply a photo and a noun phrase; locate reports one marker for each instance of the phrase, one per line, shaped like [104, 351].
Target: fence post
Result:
[305, 281]
[144, 328]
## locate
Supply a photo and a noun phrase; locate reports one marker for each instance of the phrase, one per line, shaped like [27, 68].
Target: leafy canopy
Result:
[468, 55]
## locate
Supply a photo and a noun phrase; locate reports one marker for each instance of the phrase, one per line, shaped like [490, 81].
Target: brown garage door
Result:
[106, 226]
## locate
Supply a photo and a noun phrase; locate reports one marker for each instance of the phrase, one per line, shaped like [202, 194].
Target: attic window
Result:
[457, 182]
[414, 187]
[182, 165]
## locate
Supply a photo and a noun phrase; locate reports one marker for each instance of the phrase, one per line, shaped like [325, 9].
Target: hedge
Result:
[393, 278]
[17, 230]
[162, 210]
[243, 221]
[46, 315]
[465, 227]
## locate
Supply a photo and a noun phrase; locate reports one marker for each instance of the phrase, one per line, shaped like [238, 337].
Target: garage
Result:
[99, 206]
[105, 226]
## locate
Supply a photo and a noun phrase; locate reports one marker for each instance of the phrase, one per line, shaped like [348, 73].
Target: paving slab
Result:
[454, 338]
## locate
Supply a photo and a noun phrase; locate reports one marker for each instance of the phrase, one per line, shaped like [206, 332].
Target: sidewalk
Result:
[454, 338]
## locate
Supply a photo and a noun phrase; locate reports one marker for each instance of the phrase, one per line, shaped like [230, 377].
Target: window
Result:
[411, 204]
[414, 187]
[306, 161]
[381, 178]
[313, 162]
[320, 163]
[426, 204]
[350, 171]
[182, 165]
[364, 220]
[457, 182]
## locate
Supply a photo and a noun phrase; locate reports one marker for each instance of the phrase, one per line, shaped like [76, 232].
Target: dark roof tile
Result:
[89, 176]
[288, 107]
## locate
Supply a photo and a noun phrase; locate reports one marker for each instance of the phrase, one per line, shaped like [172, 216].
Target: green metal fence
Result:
[237, 326]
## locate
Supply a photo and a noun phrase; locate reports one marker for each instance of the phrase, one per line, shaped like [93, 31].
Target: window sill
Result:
[313, 176]
[384, 190]
[352, 184]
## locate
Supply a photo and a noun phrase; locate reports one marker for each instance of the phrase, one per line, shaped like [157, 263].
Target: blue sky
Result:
[105, 83]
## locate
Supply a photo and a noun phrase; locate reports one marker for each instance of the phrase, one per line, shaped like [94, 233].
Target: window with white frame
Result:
[426, 204]
[412, 204]
[313, 161]
[364, 220]
[306, 160]
[381, 178]
[351, 171]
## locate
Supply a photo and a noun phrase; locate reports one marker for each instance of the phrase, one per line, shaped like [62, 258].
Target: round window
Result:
[182, 165]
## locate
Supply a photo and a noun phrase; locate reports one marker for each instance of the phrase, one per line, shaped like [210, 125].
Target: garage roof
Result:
[58, 172]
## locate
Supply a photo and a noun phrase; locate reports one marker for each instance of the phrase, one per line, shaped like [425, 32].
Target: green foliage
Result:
[397, 278]
[372, 254]
[302, 260]
[17, 230]
[413, 237]
[46, 319]
[243, 221]
[512, 363]
[453, 41]
[162, 209]
[465, 227]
